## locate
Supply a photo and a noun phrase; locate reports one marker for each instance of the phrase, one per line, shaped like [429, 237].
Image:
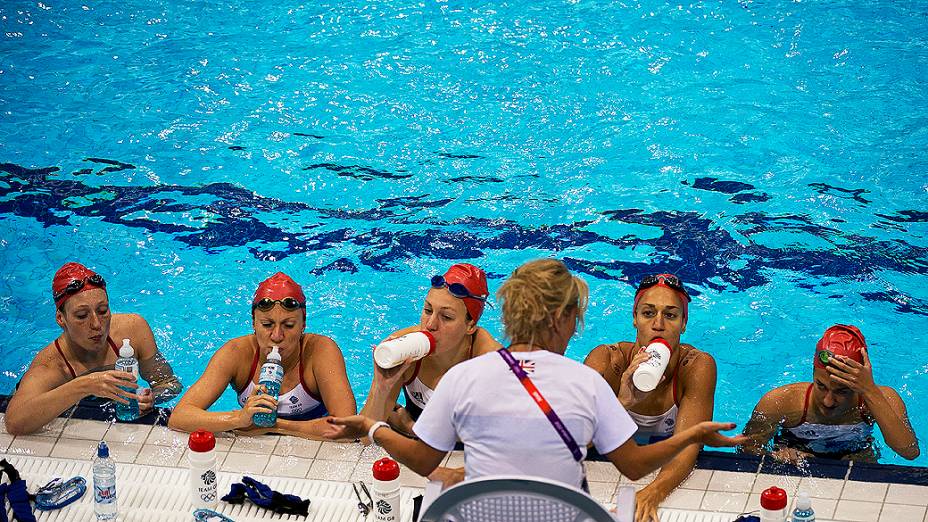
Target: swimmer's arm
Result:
[889, 412]
[153, 367]
[44, 393]
[767, 417]
[696, 405]
[600, 359]
[385, 387]
[190, 413]
[328, 368]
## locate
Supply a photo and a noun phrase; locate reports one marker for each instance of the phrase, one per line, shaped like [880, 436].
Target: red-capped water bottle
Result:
[385, 490]
[203, 479]
[773, 505]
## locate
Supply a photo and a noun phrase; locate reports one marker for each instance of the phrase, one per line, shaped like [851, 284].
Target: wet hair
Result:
[534, 293]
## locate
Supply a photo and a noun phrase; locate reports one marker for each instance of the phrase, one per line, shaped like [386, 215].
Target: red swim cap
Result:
[840, 339]
[68, 274]
[475, 280]
[277, 287]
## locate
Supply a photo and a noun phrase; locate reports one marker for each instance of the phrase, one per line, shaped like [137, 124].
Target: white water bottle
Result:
[385, 490]
[272, 374]
[648, 374]
[803, 510]
[127, 362]
[410, 347]
[104, 484]
[203, 480]
[773, 505]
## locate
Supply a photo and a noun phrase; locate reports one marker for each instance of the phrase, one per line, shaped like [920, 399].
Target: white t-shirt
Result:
[482, 403]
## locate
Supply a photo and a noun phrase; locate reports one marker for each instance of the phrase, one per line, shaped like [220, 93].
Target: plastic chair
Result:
[520, 499]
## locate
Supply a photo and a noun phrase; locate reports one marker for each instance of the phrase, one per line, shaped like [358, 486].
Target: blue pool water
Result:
[770, 153]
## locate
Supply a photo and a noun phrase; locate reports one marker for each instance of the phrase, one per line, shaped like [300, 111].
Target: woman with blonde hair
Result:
[528, 409]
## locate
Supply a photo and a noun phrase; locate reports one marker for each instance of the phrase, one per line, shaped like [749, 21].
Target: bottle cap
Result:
[431, 341]
[660, 340]
[773, 498]
[103, 451]
[386, 469]
[803, 502]
[274, 355]
[126, 349]
[201, 440]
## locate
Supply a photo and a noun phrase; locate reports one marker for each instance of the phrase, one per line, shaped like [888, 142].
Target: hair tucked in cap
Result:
[65, 275]
[840, 339]
[279, 286]
[475, 280]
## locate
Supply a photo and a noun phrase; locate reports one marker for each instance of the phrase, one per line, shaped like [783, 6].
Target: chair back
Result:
[514, 499]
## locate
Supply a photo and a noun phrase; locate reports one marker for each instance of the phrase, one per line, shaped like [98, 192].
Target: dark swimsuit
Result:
[829, 441]
[71, 368]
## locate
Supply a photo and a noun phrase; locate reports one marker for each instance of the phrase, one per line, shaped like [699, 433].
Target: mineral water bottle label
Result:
[271, 372]
[105, 494]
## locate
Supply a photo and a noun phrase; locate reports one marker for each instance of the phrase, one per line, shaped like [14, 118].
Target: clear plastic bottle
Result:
[203, 479]
[272, 374]
[127, 363]
[410, 347]
[648, 374]
[104, 484]
[802, 511]
[385, 490]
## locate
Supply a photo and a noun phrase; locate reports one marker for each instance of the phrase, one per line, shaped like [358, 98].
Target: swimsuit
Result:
[830, 441]
[655, 428]
[297, 404]
[71, 368]
[417, 393]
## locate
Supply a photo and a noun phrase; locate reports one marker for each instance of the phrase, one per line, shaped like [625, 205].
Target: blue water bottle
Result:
[104, 484]
[803, 511]
[272, 374]
[128, 363]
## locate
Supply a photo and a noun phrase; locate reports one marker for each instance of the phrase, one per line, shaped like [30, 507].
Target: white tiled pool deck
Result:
[710, 491]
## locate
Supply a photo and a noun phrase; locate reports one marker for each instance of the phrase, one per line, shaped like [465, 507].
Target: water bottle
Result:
[202, 458]
[648, 374]
[385, 490]
[127, 363]
[773, 505]
[272, 374]
[803, 510]
[410, 347]
[104, 484]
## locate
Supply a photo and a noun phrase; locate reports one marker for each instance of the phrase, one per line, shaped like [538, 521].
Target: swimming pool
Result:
[770, 153]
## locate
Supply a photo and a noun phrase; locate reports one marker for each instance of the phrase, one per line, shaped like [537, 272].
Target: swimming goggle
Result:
[671, 281]
[77, 284]
[457, 289]
[824, 356]
[287, 303]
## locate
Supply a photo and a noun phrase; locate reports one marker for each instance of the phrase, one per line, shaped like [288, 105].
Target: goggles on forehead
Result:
[287, 303]
[457, 289]
[670, 280]
[76, 285]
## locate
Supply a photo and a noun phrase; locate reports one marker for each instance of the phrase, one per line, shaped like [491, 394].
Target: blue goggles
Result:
[457, 289]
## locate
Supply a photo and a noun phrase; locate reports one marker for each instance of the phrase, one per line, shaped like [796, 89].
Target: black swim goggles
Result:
[287, 303]
[457, 289]
[668, 280]
[77, 284]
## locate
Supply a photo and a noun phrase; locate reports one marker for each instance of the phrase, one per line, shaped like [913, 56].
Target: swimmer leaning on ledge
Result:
[79, 363]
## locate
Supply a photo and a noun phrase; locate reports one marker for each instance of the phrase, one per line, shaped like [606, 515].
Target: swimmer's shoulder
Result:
[484, 342]
[786, 402]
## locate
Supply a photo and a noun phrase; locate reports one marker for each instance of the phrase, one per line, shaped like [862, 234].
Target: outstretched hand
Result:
[708, 434]
[353, 427]
[856, 376]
